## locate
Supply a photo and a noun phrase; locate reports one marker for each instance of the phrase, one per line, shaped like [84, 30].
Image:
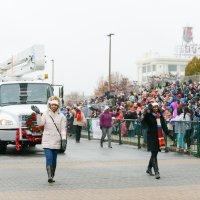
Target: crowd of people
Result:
[163, 109]
[179, 103]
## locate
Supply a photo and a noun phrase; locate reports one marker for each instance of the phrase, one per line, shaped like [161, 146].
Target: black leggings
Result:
[154, 154]
[78, 132]
[153, 162]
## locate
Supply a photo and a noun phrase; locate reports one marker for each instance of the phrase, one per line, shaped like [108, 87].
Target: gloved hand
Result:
[35, 109]
[63, 144]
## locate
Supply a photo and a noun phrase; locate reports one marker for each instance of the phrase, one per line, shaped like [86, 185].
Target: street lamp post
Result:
[52, 71]
[109, 72]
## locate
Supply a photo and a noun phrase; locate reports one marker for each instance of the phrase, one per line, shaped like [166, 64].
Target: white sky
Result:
[74, 34]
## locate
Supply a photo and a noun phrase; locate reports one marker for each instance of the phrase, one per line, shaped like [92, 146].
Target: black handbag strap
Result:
[56, 127]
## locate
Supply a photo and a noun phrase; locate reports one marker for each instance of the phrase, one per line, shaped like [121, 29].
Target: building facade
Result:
[160, 66]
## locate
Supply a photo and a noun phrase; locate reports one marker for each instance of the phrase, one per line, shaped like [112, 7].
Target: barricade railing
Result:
[121, 134]
[185, 134]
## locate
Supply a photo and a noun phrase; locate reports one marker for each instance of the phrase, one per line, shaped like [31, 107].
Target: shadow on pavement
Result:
[28, 151]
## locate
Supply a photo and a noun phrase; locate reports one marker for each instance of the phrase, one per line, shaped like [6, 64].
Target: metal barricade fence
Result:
[186, 134]
[127, 131]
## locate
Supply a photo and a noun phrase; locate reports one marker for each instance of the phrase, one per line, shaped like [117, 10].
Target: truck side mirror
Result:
[61, 92]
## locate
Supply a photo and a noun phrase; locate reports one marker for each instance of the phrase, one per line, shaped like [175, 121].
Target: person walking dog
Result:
[156, 123]
[54, 135]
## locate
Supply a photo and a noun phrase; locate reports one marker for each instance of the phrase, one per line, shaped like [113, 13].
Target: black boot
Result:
[53, 169]
[49, 173]
[155, 167]
[149, 169]
[101, 143]
[157, 175]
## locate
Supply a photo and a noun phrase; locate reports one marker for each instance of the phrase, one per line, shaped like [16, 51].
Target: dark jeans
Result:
[51, 157]
[153, 162]
[78, 132]
[187, 138]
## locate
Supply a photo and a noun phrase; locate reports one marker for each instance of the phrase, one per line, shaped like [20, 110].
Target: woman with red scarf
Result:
[156, 124]
[79, 122]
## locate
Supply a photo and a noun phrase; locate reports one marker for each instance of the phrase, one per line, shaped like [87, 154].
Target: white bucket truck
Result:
[18, 94]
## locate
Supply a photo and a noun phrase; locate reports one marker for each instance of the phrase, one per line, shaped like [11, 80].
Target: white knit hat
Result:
[155, 104]
[79, 107]
[106, 108]
[54, 101]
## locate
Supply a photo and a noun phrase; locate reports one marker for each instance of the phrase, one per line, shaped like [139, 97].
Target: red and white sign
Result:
[187, 34]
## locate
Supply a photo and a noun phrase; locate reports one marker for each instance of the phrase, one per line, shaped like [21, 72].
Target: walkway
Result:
[89, 172]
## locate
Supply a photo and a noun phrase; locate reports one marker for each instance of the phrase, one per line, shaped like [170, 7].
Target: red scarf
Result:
[78, 116]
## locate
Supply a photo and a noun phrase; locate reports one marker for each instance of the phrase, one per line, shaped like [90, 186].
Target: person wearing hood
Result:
[54, 134]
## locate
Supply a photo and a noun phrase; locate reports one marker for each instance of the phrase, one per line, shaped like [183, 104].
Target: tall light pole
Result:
[109, 72]
[52, 71]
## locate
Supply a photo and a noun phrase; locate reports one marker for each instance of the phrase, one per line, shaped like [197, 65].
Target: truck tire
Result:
[3, 147]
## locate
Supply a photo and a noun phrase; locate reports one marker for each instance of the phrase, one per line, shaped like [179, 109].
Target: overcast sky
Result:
[74, 34]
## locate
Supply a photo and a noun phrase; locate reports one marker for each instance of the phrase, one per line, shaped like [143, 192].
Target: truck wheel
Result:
[3, 147]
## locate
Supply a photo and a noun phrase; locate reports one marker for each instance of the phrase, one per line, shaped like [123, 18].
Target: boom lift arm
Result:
[25, 62]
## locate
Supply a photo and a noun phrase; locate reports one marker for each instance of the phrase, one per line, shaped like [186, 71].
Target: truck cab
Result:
[18, 94]
[16, 99]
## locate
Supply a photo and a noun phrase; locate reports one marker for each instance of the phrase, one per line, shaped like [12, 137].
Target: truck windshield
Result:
[25, 93]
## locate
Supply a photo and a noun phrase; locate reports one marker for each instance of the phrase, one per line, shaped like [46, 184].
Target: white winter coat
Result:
[51, 138]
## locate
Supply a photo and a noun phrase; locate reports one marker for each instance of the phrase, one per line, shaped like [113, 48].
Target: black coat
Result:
[130, 115]
[152, 133]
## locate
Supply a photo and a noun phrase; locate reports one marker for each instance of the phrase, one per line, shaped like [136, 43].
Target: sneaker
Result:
[149, 172]
[157, 175]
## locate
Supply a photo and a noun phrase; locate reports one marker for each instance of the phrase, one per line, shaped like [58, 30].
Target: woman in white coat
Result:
[54, 134]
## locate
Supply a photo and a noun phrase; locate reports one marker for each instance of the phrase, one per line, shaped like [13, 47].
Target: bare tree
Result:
[74, 98]
[119, 83]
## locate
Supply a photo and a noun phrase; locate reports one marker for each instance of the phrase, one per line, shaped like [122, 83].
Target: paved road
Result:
[88, 172]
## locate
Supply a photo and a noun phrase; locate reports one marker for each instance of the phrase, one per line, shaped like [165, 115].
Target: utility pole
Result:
[52, 71]
[109, 72]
